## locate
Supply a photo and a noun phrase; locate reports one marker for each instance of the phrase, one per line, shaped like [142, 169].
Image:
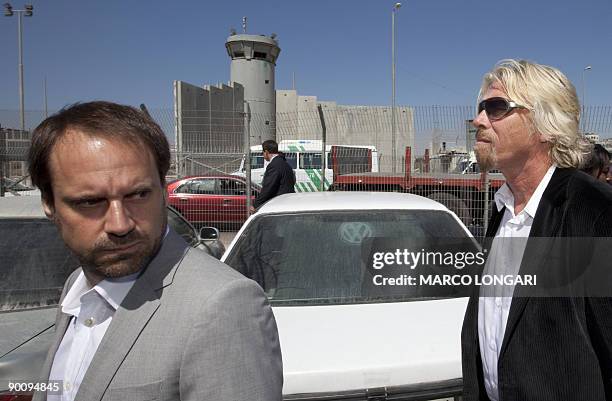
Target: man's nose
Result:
[118, 219]
[481, 120]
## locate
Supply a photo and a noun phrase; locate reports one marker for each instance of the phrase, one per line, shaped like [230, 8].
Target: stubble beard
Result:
[486, 156]
[104, 263]
[119, 265]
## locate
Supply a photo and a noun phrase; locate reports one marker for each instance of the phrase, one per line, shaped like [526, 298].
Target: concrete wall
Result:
[298, 118]
[210, 127]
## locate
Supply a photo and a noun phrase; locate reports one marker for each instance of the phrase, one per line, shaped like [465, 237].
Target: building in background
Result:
[211, 121]
[591, 137]
[209, 127]
[253, 66]
[297, 117]
[14, 145]
[607, 143]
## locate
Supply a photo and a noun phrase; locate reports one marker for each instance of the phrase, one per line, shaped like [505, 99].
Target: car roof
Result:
[327, 201]
[218, 175]
[177, 181]
[28, 206]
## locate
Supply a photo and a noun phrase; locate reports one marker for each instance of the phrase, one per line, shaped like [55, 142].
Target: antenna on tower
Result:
[244, 21]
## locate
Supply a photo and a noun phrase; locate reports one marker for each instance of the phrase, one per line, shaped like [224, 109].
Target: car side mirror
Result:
[209, 233]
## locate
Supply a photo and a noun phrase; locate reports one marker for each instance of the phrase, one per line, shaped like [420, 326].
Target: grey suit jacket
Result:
[191, 328]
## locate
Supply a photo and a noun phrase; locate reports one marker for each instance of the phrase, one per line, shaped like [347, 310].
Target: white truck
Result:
[304, 156]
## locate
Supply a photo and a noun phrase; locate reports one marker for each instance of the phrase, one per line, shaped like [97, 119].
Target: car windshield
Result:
[325, 257]
[35, 263]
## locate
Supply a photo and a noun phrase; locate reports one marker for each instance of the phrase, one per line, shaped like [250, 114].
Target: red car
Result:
[217, 200]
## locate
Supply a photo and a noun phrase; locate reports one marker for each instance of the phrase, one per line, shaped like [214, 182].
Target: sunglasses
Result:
[498, 107]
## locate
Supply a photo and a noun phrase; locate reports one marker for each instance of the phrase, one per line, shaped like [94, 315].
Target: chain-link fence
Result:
[427, 151]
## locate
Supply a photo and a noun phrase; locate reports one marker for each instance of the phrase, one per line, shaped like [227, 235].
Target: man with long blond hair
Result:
[523, 347]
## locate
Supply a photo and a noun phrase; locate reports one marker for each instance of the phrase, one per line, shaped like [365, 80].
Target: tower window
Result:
[238, 54]
[267, 81]
[260, 55]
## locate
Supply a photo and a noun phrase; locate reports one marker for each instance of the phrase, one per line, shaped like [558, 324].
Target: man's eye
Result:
[87, 202]
[140, 194]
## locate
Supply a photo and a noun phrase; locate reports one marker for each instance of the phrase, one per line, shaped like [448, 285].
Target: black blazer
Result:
[554, 349]
[278, 179]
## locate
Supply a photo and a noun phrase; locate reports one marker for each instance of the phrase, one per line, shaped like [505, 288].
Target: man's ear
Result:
[48, 208]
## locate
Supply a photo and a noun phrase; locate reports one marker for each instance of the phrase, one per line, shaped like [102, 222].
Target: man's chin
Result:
[117, 268]
[486, 160]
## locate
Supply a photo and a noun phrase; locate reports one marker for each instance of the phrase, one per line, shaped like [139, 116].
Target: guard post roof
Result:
[252, 47]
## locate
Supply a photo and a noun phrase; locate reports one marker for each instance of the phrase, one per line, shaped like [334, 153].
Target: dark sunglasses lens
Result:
[496, 108]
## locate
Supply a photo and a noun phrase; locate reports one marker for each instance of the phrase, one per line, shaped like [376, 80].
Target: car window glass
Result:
[182, 189]
[183, 228]
[201, 187]
[231, 187]
[257, 160]
[35, 263]
[310, 160]
[318, 258]
[291, 159]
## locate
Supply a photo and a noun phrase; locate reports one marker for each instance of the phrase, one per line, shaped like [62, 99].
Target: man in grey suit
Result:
[146, 317]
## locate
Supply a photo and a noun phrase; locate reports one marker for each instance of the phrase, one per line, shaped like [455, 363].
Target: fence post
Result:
[323, 142]
[485, 209]
[247, 157]
[178, 130]
[2, 153]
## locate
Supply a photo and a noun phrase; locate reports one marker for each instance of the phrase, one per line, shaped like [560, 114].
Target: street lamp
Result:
[587, 68]
[27, 11]
[395, 9]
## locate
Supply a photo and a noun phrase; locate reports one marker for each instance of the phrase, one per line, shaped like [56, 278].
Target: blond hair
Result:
[552, 100]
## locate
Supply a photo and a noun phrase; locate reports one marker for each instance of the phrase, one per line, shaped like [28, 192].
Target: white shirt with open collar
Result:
[505, 257]
[91, 310]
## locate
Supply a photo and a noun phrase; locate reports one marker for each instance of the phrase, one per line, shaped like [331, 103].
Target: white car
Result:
[342, 337]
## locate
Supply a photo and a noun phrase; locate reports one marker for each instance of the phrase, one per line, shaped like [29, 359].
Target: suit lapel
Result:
[496, 218]
[130, 319]
[547, 223]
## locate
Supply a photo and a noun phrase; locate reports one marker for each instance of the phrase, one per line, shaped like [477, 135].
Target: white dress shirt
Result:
[92, 310]
[505, 257]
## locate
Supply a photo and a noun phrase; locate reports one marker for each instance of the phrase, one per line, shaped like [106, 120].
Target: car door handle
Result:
[184, 199]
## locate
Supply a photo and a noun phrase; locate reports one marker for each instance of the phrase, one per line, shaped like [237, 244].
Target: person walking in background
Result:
[279, 177]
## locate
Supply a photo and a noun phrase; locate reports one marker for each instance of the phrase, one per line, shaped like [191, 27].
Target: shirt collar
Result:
[505, 198]
[112, 291]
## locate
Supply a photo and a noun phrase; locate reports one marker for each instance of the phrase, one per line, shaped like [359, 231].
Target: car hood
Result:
[25, 362]
[330, 348]
[19, 326]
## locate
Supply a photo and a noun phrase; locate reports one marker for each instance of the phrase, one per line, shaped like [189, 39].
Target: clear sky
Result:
[131, 51]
